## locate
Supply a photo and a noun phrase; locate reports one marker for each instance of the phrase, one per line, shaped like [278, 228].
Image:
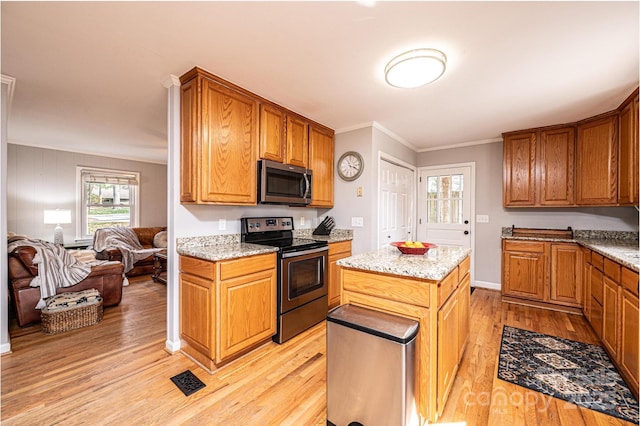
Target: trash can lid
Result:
[391, 327]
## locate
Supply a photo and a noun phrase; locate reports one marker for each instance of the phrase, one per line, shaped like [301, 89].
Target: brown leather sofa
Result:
[107, 279]
[141, 267]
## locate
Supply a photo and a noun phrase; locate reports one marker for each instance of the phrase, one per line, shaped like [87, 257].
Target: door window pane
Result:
[444, 199]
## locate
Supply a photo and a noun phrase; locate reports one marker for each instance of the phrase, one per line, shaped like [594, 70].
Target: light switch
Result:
[359, 191]
[222, 224]
[482, 218]
[357, 222]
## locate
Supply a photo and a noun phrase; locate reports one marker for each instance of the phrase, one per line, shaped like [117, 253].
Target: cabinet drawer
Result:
[339, 247]
[612, 269]
[197, 267]
[246, 265]
[597, 260]
[446, 286]
[463, 268]
[526, 246]
[629, 280]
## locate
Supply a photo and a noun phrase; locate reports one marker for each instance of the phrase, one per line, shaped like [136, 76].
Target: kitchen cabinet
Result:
[628, 153]
[596, 162]
[321, 150]
[613, 314]
[442, 310]
[226, 307]
[338, 250]
[543, 272]
[272, 133]
[538, 167]
[524, 269]
[297, 151]
[219, 146]
[519, 169]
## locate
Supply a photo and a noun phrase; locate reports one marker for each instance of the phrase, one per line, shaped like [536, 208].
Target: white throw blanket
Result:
[56, 267]
[125, 240]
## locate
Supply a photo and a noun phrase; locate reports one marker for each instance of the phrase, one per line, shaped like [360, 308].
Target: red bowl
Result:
[413, 250]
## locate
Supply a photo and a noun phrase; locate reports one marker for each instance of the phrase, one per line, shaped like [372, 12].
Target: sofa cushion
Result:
[160, 240]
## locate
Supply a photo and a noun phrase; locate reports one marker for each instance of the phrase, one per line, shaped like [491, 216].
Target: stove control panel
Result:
[264, 224]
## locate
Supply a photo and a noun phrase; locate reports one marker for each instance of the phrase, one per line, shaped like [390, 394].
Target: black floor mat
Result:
[187, 382]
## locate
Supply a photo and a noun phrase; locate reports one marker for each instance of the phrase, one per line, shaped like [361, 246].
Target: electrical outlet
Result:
[301, 220]
[357, 222]
[222, 224]
[482, 218]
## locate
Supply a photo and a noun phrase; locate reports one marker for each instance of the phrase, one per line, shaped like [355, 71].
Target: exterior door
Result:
[395, 203]
[445, 206]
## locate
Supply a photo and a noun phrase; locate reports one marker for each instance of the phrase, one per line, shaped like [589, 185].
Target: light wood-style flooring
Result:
[117, 372]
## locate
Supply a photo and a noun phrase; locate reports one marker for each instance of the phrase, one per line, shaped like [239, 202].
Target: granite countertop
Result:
[622, 247]
[434, 265]
[229, 246]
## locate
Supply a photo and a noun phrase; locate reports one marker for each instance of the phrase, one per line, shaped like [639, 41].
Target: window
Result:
[108, 198]
[444, 199]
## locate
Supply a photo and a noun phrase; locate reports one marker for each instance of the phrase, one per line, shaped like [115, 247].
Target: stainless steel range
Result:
[302, 269]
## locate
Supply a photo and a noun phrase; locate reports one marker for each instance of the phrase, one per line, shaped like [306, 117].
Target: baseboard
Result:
[172, 346]
[5, 348]
[487, 285]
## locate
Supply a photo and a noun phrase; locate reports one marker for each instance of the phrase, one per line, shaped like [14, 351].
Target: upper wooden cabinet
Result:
[219, 146]
[593, 162]
[628, 153]
[596, 165]
[519, 169]
[321, 164]
[272, 133]
[538, 167]
[225, 129]
[297, 152]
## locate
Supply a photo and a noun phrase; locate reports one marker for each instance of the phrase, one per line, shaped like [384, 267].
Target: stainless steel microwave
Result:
[283, 184]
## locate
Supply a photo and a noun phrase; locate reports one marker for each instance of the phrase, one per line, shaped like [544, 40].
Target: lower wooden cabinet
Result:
[338, 250]
[448, 355]
[629, 356]
[226, 307]
[544, 272]
[610, 320]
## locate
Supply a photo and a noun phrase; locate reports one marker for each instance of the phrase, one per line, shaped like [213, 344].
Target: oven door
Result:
[303, 277]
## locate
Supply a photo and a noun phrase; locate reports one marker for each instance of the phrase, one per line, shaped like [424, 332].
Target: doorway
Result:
[446, 205]
[396, 201]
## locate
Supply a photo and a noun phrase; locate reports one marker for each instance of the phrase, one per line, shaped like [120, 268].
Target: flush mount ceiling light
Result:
[415, 68]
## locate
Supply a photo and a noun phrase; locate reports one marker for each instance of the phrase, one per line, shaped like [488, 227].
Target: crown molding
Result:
[11, 83]
[170, 80]
[461, 145]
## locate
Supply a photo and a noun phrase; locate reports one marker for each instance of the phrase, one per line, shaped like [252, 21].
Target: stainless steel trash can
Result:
[370, 368]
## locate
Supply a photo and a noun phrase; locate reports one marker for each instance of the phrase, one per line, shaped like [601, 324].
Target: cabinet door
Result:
[518, 168]
[321, 164]
[597, 155]
[586, 282]
[610, 316]
[337, 251]
[448, 328]
[556, 167]
[272, 131]
[197, 307]
[464, 301]
[629, 357]
[297, 141]
[566, 274]
[189, 138]
[247, 311]
[524, 272]
[229, 146]
[628, 155]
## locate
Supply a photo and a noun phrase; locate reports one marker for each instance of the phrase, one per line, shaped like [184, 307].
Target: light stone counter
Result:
[219, 247]
[336, 235]
[434, 265]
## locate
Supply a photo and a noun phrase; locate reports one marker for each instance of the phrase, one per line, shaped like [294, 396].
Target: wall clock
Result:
[350, 166]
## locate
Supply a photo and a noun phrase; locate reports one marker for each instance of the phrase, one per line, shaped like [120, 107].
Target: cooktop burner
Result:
[276, 232]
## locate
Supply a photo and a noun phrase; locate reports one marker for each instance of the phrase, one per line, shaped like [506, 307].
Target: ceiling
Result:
[89, 74]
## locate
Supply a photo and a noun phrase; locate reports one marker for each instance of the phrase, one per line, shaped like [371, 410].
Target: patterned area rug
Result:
[572, 371]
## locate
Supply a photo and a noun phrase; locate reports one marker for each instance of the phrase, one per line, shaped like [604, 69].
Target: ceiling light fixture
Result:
[415, 68]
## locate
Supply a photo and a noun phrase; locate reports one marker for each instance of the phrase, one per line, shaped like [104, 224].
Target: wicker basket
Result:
[80, 315]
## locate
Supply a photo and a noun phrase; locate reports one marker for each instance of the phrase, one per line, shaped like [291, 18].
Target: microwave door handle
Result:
[306, 186]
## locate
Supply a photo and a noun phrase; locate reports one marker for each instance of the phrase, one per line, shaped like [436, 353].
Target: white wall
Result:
[488, 159]
[41, 179]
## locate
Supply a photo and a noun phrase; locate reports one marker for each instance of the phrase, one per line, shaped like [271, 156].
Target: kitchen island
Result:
[433, 289]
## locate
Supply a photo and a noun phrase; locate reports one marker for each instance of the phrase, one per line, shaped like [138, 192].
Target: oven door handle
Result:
[301, 253]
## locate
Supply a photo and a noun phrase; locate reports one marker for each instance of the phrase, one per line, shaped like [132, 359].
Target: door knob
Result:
[466, 232]
[466, 222]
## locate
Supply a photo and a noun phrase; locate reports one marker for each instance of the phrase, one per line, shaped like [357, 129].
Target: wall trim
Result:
[461, 145]
[486, 284]
[172, 346]
[11, 84]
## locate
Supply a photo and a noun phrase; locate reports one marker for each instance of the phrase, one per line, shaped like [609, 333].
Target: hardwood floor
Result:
[117, 372]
